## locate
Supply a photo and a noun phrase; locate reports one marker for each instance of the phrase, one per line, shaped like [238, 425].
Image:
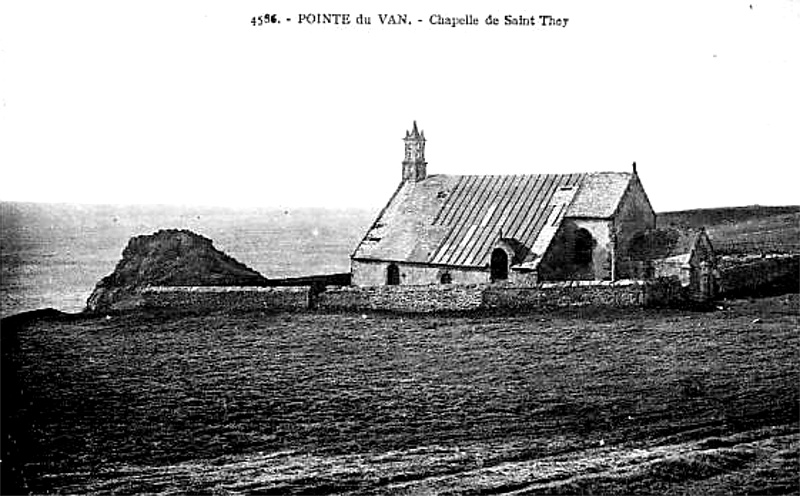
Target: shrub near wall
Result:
[229, 298]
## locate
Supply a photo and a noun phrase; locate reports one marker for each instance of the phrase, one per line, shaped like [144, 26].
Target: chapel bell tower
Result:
[414, 165]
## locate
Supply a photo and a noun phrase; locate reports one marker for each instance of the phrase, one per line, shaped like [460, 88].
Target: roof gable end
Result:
[600, 195]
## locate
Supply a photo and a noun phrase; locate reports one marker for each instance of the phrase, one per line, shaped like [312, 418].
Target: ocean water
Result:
[52, 255]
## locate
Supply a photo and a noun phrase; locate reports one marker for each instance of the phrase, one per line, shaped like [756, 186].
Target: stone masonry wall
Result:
[558, 261]
[373, 273]
[420, 299]
[620, 294]
[635, 215]
[230, 298]
[748, 276]
[564, 294]
[665, 292]
[430, 298]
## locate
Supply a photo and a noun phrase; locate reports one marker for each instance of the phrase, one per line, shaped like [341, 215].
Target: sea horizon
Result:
[53, 254]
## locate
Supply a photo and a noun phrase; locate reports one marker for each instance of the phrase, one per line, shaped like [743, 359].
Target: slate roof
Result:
[600, 194]
[456, 220]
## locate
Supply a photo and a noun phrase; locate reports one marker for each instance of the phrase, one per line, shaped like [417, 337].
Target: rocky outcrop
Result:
[167, 258]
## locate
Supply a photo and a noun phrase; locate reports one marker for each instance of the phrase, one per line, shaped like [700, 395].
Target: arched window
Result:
[584, 245]
[445, 278]
[392, 275]
[499, 265]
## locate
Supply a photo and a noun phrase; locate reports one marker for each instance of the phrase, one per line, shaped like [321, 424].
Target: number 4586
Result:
[264, 19]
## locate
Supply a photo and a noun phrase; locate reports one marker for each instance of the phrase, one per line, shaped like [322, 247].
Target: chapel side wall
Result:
[557, 263]
[523, 278]
[601, 255]
[369, 273]
[634, 216]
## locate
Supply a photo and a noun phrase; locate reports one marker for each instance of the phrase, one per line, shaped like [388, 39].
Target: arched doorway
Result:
[392, 275]
[499, 265]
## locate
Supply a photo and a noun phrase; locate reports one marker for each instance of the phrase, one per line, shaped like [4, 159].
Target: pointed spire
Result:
[414, 132]
[634, 168]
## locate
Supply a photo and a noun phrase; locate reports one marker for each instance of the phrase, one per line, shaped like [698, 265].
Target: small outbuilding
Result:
[683, 253]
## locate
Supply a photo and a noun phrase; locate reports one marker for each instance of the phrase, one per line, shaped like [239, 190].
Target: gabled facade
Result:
[469, 229]
[686, 254]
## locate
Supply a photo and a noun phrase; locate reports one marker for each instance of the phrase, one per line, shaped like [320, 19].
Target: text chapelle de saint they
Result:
[434, 19]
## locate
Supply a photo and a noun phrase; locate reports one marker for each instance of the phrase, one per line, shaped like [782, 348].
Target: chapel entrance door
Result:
[499, 265]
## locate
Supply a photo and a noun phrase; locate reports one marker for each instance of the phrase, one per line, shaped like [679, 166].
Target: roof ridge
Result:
[621, 173]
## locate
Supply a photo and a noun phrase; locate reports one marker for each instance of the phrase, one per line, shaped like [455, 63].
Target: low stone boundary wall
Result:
[419, 299]
[749, 276]
[567, 294]
[431, 298]
[667, 292]
[436, 298]
[618, 294]
[231, 298]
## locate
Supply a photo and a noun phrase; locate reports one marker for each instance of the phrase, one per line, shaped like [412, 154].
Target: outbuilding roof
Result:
[456, 220]
[665, 243]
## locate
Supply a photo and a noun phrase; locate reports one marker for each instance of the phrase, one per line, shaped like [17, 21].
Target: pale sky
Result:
[184, 102]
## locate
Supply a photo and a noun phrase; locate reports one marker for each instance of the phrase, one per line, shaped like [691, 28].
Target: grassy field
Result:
[743, 230]
[667, 401]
